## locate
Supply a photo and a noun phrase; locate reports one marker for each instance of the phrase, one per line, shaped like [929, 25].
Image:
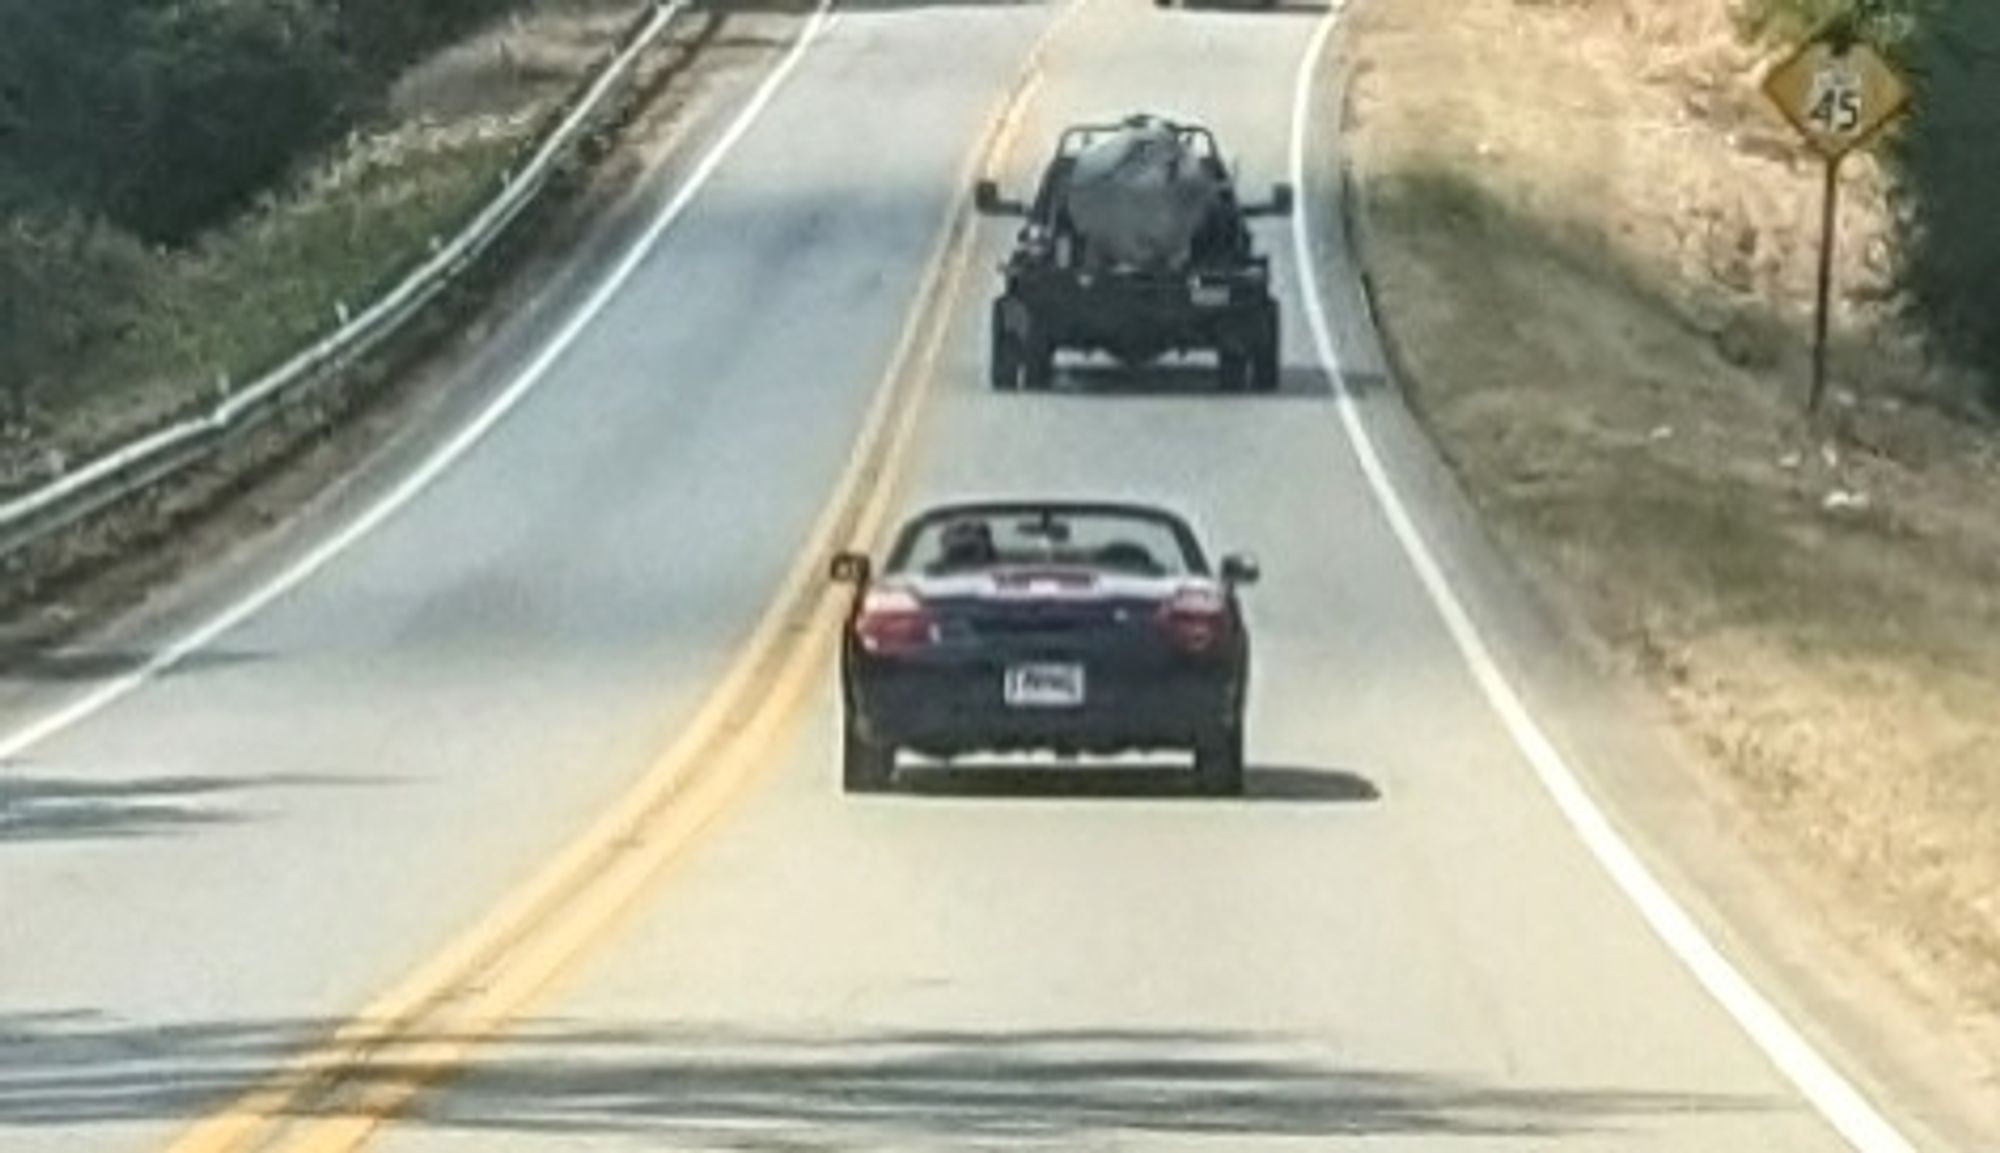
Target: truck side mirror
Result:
[849, 568]
[986, 199]
[1240, 569]
[1280, 203]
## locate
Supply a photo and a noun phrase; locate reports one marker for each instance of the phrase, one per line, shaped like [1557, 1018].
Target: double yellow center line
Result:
[429, 1026]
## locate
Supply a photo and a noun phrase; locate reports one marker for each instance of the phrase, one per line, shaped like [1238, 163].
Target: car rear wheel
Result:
[865, 767]
[1218, 763]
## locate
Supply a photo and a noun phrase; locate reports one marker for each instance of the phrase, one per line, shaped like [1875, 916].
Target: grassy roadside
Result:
[79, 582]
[1592, 263]
[251, 292]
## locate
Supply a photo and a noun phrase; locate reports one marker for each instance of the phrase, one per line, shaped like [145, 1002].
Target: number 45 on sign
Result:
[1837, 95]
[1834, 107]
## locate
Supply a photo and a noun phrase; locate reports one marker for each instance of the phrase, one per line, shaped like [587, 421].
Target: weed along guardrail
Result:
[158, 456]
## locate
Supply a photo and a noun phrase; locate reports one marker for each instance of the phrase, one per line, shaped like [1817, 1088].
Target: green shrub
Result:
[168, 116]
[66, 285]
[164, 118]
[1948, 158]
[386, 35]
[129, 124]
[57, 114]
[224, 97]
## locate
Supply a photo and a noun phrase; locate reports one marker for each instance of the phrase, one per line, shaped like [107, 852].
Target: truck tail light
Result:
[893, 621]
[1196, 618]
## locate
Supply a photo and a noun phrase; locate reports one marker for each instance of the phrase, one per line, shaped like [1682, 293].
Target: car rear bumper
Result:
[950, 712]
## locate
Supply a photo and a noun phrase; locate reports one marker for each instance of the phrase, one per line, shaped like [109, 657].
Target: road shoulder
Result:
[1644, 762]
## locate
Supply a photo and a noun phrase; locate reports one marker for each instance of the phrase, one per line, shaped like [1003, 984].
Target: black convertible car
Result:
[1067, 627]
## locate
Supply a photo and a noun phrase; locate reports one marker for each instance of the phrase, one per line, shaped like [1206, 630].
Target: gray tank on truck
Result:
[1135, 245]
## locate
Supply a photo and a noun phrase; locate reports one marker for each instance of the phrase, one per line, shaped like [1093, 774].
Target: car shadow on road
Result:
[1015, 781]
[802, 7]
[79, 1074]
[38, 808]
[1256, 7]
[1193, 379]
[71, 665]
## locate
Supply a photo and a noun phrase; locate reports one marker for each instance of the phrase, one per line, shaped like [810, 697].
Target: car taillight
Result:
[893, 621]
[1196, 618]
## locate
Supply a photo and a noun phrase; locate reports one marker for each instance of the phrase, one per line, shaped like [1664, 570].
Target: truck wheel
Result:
[1038, 359]
[865, 767]
[1004, 359]
[1232, 369]
[1218, 762]
[1263, 369]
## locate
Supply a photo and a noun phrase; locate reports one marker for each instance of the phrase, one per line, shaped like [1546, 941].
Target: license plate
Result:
[1044, 686]
[1211, 295]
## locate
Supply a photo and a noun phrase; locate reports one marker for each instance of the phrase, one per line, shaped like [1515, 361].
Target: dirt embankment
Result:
[1593, 250]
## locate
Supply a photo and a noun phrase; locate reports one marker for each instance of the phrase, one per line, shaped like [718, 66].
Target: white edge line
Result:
[1844, 1107]
[439, 462]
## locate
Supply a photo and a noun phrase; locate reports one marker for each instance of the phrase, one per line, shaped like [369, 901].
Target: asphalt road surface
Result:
[1394, 942]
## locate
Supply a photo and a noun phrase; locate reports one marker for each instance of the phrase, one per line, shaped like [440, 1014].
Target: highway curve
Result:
[1396, 941]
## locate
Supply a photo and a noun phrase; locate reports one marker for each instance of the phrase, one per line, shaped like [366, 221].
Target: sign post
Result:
[1839, 93]
[1829, 223]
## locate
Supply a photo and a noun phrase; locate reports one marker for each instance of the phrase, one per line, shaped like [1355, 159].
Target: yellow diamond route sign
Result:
[1837, 97]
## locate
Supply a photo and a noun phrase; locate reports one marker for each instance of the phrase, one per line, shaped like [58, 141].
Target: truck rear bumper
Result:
[1138, 319]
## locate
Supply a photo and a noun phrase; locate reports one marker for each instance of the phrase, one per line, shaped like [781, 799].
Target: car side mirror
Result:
[986, 199]
[1239, 569]
[1280, 203]
[849, 568]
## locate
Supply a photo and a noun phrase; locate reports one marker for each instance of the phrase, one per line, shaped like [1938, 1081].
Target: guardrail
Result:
[126, 471]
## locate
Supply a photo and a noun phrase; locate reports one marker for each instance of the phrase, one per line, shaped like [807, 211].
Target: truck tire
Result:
[1038, 358]
[1263, 367]
[1218, 762]
[1004, 358]
[865, 767]
[1232, 369]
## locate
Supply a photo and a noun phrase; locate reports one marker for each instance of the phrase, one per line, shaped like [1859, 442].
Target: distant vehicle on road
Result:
[1070, 627]
[1136, 245]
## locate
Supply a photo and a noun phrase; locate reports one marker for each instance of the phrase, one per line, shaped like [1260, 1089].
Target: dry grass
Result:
[534, 56]
[1595, 262]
